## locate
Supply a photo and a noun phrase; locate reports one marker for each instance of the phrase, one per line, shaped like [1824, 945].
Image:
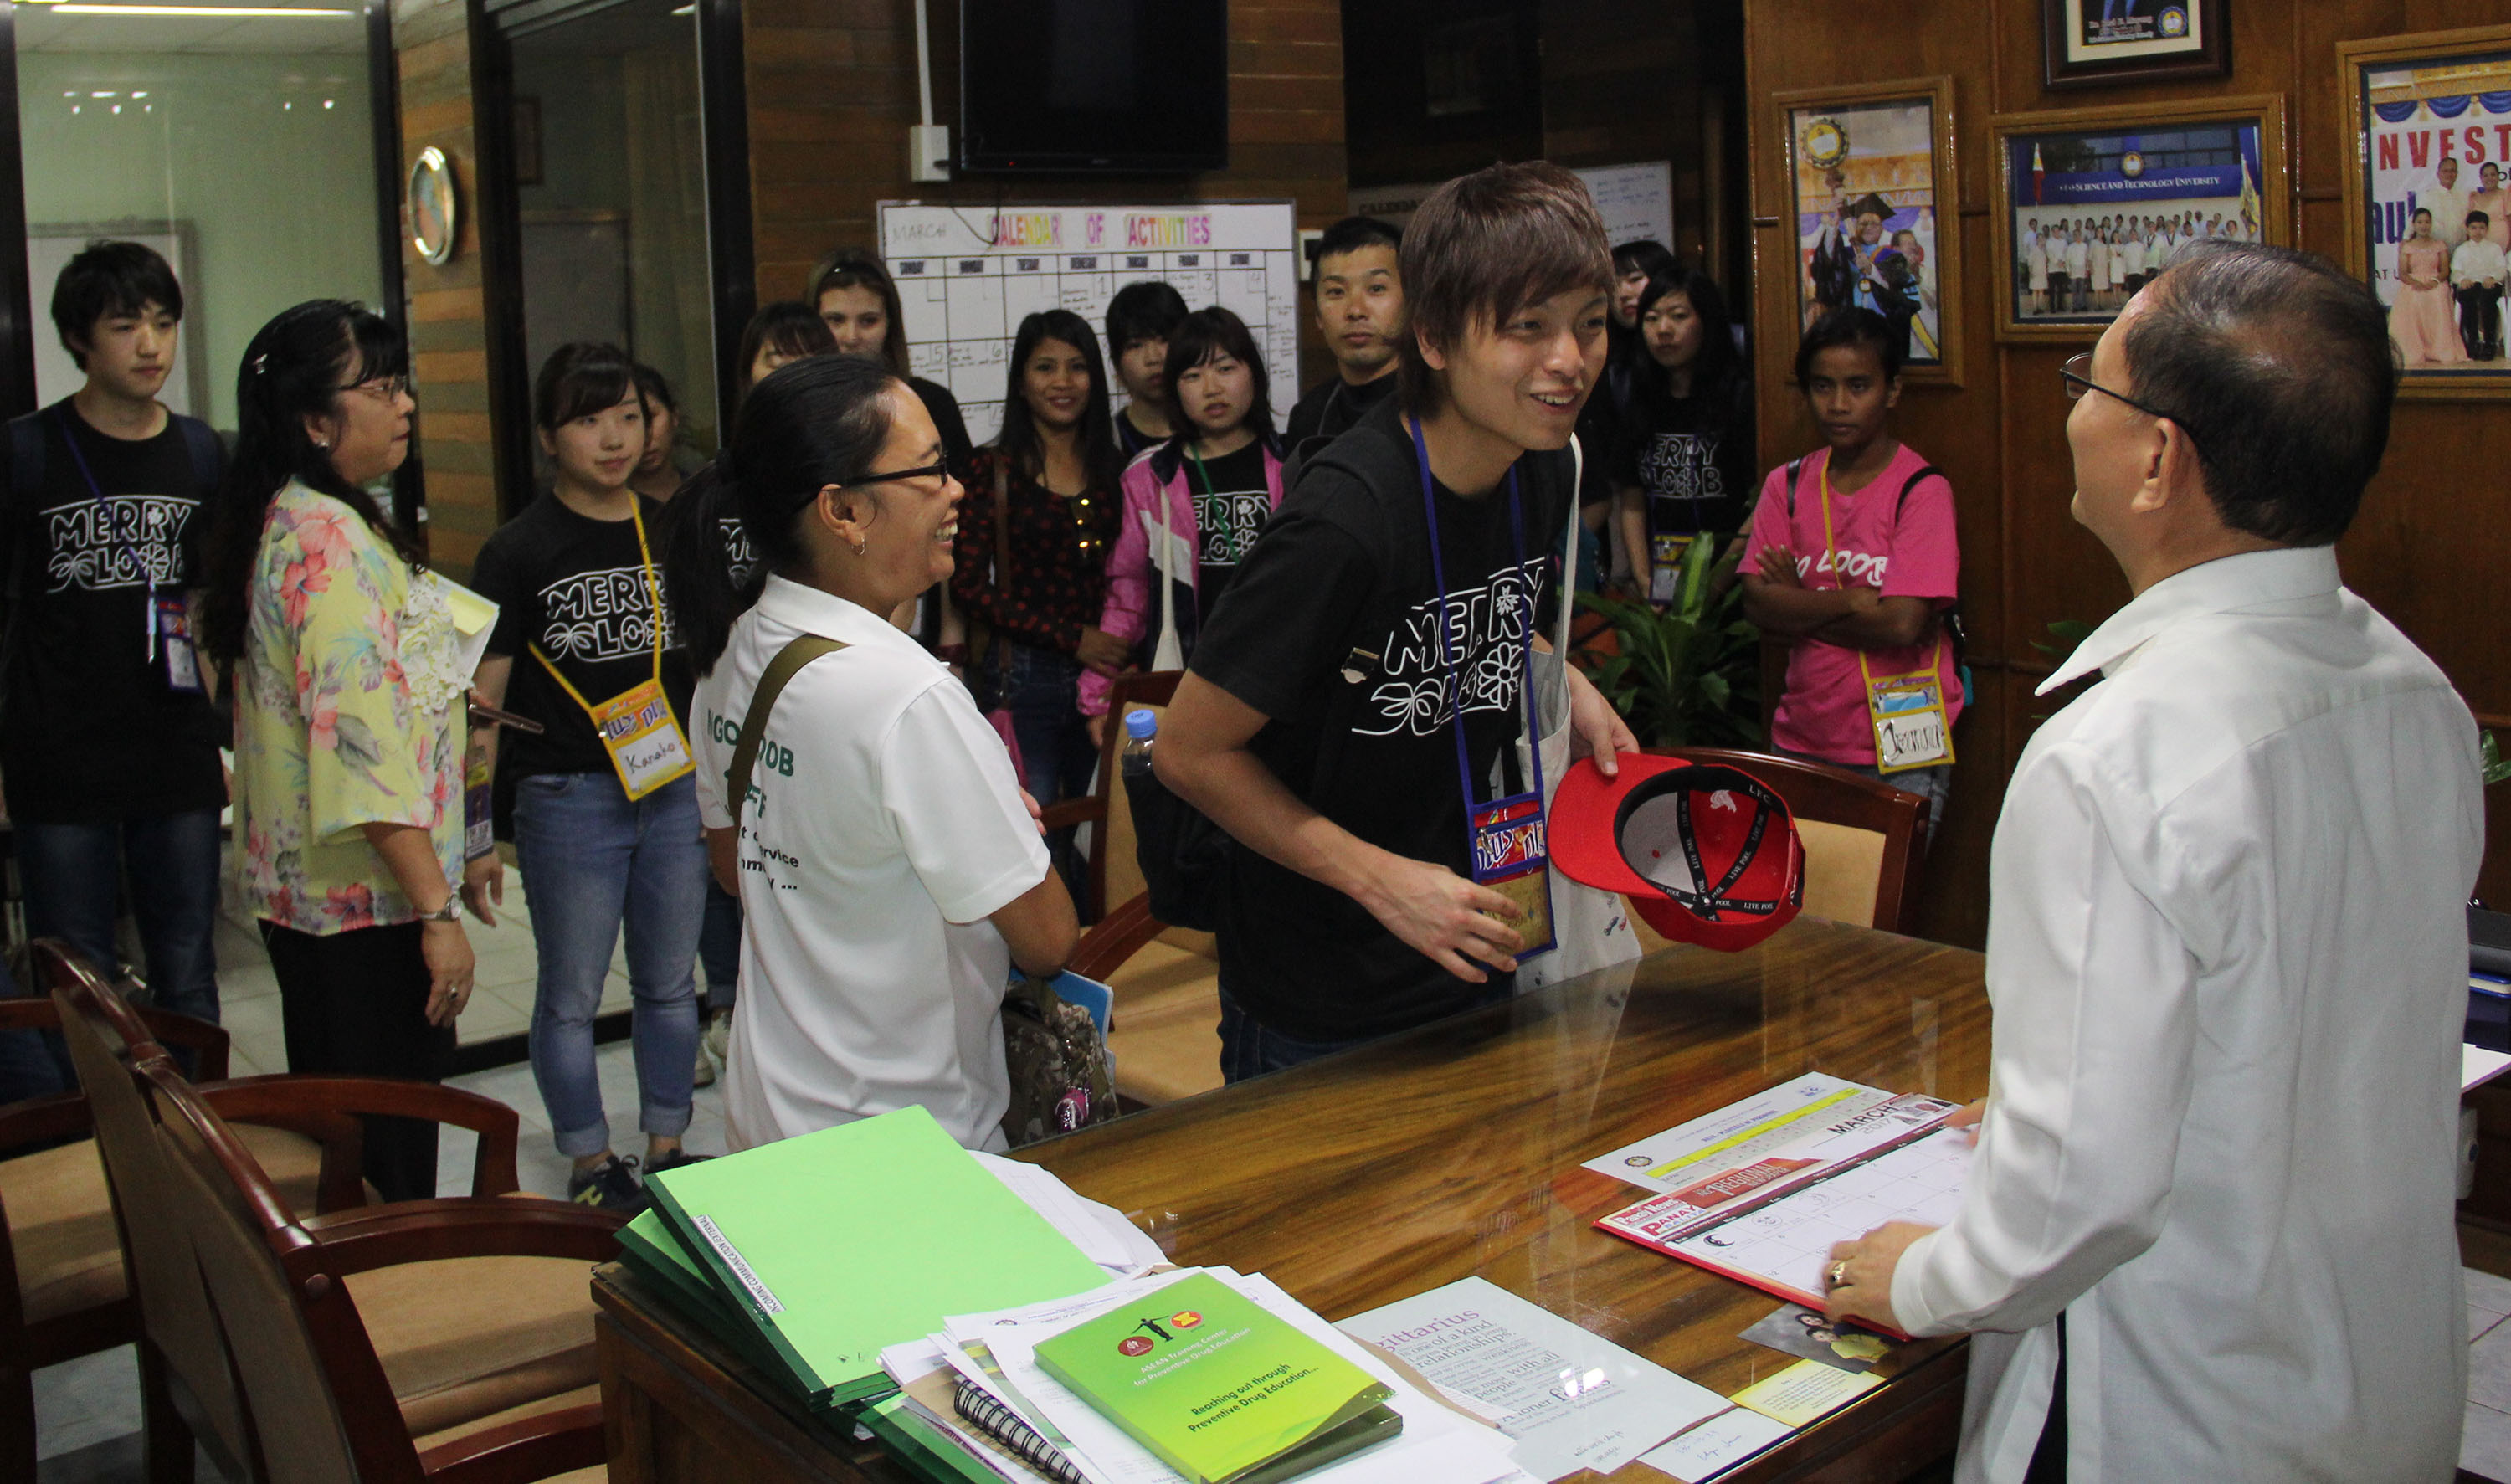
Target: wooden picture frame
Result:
[528, 140]
[1890, 146]
[2208, 159]
[2396, 168]
[2175, 39]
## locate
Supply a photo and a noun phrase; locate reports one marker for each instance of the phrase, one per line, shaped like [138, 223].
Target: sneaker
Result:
[675, 1159]
[703, 1075]
[610, 1185]
[717, 1036]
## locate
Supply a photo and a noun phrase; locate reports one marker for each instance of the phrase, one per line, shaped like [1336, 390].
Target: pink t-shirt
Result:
[1904, 546]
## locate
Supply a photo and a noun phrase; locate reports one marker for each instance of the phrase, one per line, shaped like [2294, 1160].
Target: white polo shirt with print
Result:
[885, 828]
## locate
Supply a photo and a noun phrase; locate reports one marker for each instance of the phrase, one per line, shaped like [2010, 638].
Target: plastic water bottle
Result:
[1140, 727]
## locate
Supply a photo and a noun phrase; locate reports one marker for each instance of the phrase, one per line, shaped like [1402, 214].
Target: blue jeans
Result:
[1042, 690]
[719, 947]
[72, 875]
[29, 1067]
[592, 859]
[1250, 1048]
[1931, 784]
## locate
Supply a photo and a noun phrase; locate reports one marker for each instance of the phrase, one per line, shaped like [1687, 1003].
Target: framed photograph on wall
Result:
[2088, 43]
[2092, 202]
[2429, 191]
[1875, 213]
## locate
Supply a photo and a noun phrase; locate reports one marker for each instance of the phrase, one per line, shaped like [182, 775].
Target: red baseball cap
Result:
[1706, 853]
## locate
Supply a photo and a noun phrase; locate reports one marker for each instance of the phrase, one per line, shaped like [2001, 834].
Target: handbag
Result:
[1183, 855]
[1061, 1076]
[1590, 927]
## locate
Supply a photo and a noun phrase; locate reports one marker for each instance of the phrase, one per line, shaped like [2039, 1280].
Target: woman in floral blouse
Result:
[349, 718]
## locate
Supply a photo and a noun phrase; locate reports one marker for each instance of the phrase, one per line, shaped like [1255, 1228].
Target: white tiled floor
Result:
[87, 1412]
[2485, 1443]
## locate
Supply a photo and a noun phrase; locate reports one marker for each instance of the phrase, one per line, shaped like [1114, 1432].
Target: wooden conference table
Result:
[1449, 1151]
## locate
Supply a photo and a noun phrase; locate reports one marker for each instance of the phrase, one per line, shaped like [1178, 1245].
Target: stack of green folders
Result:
[810, 1255]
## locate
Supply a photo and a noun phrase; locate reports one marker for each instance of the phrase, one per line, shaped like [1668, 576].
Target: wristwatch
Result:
[450, 911]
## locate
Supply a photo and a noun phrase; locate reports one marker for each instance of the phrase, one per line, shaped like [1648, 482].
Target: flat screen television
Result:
[1057, 86]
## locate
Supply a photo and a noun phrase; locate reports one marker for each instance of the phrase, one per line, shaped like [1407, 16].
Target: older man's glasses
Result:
[2078, 379]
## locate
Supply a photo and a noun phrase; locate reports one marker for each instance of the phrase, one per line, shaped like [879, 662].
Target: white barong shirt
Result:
[2227, 957]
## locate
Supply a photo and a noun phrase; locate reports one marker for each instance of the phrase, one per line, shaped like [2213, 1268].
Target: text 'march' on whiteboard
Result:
[964, 296]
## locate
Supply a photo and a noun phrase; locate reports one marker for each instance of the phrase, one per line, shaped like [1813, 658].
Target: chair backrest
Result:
[322, 1409]
[1863, 837]
[106, 1039]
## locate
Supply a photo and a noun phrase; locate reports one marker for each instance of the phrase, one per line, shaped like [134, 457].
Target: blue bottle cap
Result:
[1140, 725]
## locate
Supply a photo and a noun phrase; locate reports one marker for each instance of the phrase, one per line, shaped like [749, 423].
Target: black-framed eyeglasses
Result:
[921, 471]
[2076, 376]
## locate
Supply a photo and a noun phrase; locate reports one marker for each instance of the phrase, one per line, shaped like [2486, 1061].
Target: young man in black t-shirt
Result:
[1319, 723]
[108, 741]
[1359, 290]
[1141, 318]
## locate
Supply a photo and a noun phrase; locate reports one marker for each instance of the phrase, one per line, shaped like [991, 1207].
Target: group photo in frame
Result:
[2089, 43]
[2092, 202]
[2429, 194]
[1876, 212]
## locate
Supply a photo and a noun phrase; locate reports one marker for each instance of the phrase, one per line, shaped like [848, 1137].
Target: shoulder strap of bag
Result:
[201, 445]
[1925, 471]
[788, 662]
[1796, 466]
[1002, 525]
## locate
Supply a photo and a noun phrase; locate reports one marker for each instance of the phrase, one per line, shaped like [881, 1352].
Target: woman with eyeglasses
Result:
[1032, 555]
[890, 872]
[349, 718]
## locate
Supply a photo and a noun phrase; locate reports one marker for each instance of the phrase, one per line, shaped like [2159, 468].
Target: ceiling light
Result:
[103, 94]
[207, 12]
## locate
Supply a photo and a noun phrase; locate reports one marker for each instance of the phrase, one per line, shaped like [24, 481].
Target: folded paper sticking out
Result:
[1221, 1391]
[1805, 1393]
[1716, 1446]
[474, 618]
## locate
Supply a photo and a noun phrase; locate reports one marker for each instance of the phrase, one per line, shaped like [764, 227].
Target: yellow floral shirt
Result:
[347, 714]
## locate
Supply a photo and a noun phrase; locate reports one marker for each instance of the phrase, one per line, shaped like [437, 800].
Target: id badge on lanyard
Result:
[1906, 712]
[165, 619]
[1665, 564]
[1907, 715]
[637, 727]
[1511, 849]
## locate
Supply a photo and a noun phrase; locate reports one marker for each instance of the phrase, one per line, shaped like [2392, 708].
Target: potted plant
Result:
[1687, 675]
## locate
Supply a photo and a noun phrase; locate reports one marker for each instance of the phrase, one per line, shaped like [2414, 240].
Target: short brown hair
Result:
[1488, 243]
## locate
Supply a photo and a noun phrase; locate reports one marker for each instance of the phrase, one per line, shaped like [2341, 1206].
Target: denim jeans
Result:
[72, 874]
[1931, 784]
[1042, 689]
[1250, 1048]
[592, 859]
[719, 947]
[32, 1065]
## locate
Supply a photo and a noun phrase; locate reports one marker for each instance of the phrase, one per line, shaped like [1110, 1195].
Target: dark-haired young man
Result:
[1359, 290]
[108, 743]
[2208, 1231]
[1357, 695]
[1141, 318]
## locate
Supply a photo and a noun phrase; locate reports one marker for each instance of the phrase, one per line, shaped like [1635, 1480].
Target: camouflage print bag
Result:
[1061, 1077]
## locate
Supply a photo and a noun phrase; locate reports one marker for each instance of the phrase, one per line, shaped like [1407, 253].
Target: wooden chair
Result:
[1165, 1029]
[437, 1340]
[64, 1291]
[1864, 840]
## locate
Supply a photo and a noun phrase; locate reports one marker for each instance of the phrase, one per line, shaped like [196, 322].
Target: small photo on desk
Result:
[1808, 1333]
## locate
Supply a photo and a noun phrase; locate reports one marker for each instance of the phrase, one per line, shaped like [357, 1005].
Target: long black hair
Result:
[791, 326]
[1018, 439]
[1719, 366]
[809, 424]
[296, 366]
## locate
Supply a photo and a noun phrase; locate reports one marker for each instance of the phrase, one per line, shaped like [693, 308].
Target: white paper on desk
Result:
[1794, 1128]
[1436, 1444]
[1782, 1246]
[1574, 1399]
[1099, 1230]
[2477, 1066]
[1716, 1445]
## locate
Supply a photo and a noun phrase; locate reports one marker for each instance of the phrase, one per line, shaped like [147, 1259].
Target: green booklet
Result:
[1223, 1390]
[836, 1243]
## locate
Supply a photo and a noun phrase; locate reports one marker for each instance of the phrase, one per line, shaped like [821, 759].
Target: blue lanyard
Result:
[113, 519]
[1439, 626]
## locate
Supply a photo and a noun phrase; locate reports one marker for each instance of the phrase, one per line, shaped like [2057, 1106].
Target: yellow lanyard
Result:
[1839, 579]
[654, 603]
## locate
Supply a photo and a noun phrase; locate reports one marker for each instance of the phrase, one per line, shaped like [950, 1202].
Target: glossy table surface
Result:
[1454, 1150]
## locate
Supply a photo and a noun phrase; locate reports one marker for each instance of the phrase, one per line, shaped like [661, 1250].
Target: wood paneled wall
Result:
[2432, 538]
[447, 318]
[832, 91]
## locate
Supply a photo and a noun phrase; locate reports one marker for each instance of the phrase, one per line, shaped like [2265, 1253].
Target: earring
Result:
[860, 543]
[323, 445]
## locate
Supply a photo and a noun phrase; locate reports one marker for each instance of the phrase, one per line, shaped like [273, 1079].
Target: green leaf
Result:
[2491, 751]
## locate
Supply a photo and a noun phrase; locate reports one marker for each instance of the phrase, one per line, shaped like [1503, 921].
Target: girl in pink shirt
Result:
[1852, 561]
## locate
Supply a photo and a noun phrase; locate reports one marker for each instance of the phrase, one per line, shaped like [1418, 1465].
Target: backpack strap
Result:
[1924, 471]
[788, 662]
[201, 445]
[1796, 466]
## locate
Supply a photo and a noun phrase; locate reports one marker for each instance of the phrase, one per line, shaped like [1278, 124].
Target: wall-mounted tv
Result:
[1057, 86]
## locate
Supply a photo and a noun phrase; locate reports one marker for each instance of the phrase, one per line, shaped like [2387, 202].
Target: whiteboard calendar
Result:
[967, 276]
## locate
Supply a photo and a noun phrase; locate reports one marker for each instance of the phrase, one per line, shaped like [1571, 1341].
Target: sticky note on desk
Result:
[1804, 1393]
[1716, 1446]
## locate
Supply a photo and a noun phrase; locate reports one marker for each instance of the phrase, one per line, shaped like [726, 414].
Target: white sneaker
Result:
[717, 1035]
[703, 1075]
